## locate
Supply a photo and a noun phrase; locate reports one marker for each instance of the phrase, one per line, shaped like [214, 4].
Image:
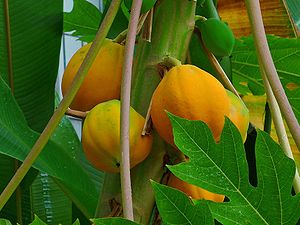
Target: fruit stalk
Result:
[62, 108]
[267, 64]
[125, 107]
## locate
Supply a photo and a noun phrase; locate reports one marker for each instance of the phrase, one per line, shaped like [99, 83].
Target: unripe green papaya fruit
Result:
[147, 5]
[217, 37]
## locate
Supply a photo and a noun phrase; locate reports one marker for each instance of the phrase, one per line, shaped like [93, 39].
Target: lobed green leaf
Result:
[175, 207]
[222, 168]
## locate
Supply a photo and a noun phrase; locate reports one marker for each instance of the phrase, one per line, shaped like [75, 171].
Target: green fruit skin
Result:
[217, 37]
[147, 5]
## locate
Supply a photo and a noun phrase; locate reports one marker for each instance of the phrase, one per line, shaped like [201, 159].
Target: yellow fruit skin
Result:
[239, 114]
[193, 191]
[103, 80]
[101, 137]
[191, 93]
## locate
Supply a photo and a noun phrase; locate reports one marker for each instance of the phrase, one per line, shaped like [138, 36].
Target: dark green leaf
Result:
[36, 29]
[83, 20]
[16, 140]
[49, 202]
[120, 23]
[294, 9]
[7, 169]
[175, 207]
[113, 221]
[222, 168]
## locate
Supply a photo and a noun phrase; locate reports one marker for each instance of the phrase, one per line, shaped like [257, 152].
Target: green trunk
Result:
[172, 28]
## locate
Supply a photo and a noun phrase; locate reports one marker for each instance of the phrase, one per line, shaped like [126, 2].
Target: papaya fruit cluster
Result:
[99, 95]
[185, 90]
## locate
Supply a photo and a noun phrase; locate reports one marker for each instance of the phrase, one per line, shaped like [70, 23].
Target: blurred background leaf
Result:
[35, 35]
[275, 16]
[84, 19]
[58, 159]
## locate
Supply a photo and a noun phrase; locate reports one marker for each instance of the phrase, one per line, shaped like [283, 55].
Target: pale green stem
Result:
[280, 129]
[266, 62]
[63, 106]
[125, 109]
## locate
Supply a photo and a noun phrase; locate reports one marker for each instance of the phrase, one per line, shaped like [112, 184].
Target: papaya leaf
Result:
[175, 207]
[17, 139]
[37, 221]
[4, 222]
[83, 21]
[76, 222]
[222, 168]
[286, 55]
[245, 68]
[113, 221]
[294, 99]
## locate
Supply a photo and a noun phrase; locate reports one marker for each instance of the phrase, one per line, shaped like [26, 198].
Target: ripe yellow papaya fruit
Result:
[193, 191]
[239, 114]
[192, 93]
[101, 137]
[103, 80]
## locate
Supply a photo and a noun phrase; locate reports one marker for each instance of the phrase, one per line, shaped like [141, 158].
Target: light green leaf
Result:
[113, 221]
[37, 221]
[245, 68]
[286, 55]
[4, 222]
[76, 222]
[16, 140]
[294, 99]
[175, 207]
[222, 168]
[83, 20]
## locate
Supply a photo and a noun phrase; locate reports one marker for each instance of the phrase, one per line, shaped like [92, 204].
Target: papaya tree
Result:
[189, 111]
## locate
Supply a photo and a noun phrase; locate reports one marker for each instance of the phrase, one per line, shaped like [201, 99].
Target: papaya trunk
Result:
[173, 24]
